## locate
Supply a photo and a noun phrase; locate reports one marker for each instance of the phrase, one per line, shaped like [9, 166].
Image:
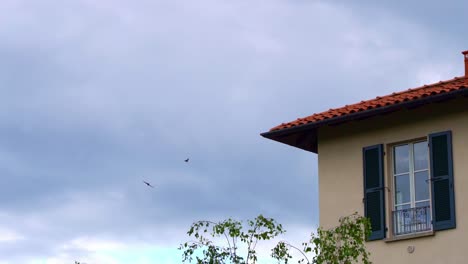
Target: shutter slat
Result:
[374, 205]
[443, 195]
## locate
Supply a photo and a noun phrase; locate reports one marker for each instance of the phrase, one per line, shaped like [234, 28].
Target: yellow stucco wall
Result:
[341, 177]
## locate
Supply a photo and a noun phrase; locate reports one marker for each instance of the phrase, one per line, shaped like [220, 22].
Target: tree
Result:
[234, 236]
[344, 244]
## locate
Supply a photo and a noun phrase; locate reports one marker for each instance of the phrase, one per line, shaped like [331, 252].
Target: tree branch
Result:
[300, 251]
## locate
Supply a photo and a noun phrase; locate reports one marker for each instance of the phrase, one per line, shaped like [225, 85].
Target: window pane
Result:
[422, 204]
[401, 154]
[421, 159]
[421, 185]
[402, 189]
[401, 207]
[422, 216]
[402, 220]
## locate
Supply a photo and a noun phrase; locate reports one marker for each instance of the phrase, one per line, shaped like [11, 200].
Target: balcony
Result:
[412, 220]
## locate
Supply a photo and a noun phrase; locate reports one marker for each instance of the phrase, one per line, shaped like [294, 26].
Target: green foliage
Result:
[344, 244]
[234, 236]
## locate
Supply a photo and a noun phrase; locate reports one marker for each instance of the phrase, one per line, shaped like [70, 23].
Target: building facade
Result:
[402, 161]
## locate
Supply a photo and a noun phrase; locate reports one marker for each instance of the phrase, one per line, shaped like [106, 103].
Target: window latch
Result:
[385, 187]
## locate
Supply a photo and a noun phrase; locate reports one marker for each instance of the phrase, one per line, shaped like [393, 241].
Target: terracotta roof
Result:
[394, 99]
[302, 133]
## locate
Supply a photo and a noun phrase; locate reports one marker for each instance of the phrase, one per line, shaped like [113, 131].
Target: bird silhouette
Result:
[148, 184]
[186, 160]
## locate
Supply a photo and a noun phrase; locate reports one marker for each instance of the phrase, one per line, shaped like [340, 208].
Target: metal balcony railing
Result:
[412, 220]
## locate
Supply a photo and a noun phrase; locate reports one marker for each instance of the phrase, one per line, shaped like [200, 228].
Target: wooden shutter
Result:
[374, 196]
[443, 196]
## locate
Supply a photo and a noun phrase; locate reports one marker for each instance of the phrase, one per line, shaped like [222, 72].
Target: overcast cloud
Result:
[96, 96]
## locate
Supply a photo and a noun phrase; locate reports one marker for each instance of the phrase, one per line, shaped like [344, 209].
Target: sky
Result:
[98, 96]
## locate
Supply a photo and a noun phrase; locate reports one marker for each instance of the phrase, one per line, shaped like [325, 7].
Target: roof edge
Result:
[281, 134]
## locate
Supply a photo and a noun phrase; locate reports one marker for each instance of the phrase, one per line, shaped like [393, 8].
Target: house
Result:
[402, 161]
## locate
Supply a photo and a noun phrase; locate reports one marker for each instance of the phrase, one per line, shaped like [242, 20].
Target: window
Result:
[422, 186]
[411, 188]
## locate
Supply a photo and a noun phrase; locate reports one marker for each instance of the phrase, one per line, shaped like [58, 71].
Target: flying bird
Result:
[148, 184]
[186, 160]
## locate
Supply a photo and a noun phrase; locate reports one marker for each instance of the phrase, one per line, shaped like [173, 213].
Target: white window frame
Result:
[411, 174]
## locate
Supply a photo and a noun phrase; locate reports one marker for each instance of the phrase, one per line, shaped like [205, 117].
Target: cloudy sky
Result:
[96, 96]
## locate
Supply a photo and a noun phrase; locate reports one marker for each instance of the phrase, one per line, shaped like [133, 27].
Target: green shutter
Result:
[374, 196]
[443, 196]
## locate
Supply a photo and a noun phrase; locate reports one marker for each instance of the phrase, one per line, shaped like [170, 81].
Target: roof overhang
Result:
[305, 136]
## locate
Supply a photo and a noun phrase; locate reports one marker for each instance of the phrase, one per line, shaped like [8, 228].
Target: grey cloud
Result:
[96, 96]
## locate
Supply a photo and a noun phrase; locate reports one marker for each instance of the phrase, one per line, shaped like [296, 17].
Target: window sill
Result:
[410, 236]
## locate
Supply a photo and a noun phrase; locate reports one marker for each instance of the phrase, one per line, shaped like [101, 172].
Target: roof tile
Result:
[395, 98]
